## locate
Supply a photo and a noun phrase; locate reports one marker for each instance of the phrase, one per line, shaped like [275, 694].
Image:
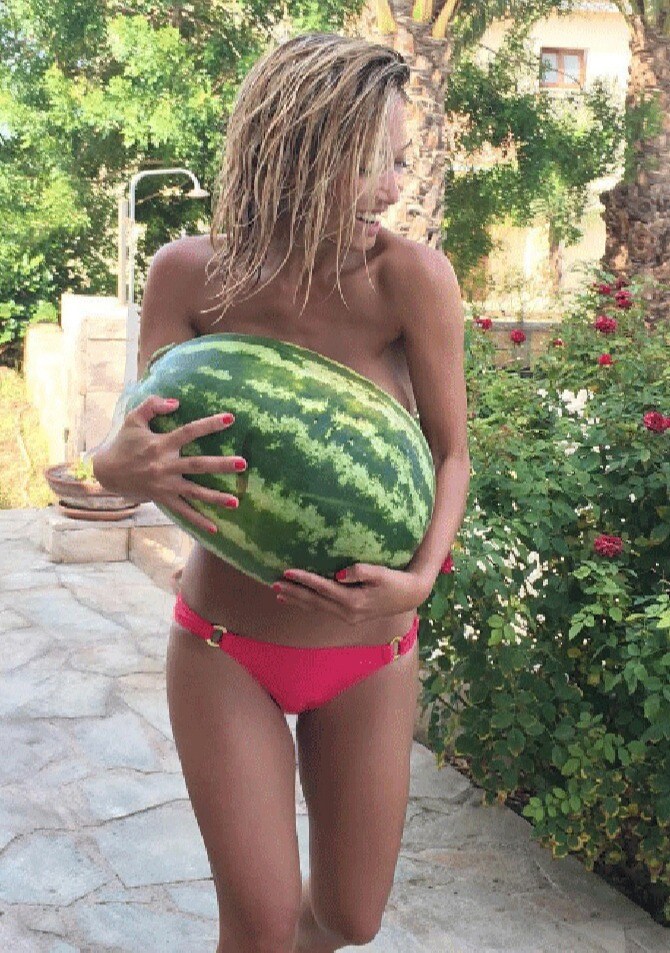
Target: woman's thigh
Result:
[238, 760]
[354, 760]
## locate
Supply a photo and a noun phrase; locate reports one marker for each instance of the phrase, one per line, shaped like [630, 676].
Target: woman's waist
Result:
[225, 596]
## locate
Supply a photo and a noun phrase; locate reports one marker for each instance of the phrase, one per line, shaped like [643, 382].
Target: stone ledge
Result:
[147, 537]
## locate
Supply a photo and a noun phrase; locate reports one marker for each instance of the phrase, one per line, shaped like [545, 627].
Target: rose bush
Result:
[547, 644]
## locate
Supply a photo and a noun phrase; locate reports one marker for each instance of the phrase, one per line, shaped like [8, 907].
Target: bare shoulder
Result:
[420, 278]
[189, 251]
[416, 260]
[167, 302]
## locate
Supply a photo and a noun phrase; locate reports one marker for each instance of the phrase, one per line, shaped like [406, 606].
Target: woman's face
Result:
[373, 197]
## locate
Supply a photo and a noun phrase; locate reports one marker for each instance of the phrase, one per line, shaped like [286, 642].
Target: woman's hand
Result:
[366, 592]
[141, 464]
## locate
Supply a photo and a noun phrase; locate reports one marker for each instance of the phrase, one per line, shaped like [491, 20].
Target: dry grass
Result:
[23, 447]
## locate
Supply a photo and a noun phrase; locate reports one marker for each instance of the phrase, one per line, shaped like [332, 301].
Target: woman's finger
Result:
[195, 429]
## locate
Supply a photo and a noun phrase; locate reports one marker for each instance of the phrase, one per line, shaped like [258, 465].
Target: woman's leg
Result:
[354, 760]
[238, 759]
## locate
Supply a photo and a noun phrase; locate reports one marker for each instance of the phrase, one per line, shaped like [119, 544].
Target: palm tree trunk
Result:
[637, 213]
[418, 212]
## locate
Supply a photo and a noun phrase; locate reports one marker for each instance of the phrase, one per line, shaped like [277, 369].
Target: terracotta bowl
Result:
[84, 494]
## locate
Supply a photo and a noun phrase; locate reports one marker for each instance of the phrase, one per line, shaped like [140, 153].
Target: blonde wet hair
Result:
[310, 113]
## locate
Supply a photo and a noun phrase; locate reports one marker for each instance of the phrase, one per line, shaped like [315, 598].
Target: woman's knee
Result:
[264, 931]
[348, 928]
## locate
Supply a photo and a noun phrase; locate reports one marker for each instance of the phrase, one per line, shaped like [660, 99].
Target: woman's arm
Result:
[165, 319]
[433, 337]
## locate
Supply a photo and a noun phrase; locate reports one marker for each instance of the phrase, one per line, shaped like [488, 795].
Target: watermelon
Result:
[338, 471]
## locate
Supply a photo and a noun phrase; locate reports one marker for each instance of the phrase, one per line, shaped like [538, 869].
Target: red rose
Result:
[485, 324]
[605, 359]
[621, 283]
[653, 420]
[605, 324]
[518, 337]
[608, 545]
[557, 342]
[604, 289]
[448, 564]
[623, 299]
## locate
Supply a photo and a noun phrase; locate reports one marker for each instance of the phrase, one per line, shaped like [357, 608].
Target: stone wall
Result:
[539, 335]
[75, 373]
[46, 383]
[94, 351]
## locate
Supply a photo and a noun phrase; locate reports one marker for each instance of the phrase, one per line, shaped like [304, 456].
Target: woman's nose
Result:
[389, 187]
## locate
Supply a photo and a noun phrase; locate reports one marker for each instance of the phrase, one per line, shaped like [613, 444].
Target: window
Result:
[565, 69]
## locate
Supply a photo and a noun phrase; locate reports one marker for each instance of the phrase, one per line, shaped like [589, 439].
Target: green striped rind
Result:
[338, 471]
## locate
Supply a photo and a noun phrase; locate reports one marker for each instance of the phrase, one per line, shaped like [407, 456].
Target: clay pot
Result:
[86, 499]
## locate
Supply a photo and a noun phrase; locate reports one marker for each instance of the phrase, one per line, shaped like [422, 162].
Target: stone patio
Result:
[99, 848]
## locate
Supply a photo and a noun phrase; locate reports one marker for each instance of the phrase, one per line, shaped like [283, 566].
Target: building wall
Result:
[604, 36]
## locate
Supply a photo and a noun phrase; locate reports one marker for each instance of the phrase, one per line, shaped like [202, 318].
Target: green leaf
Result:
[571, 766]
[516, 742]
[564, 731]
[502, 719]
[652, 706]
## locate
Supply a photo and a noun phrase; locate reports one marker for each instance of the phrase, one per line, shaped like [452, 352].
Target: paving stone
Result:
[650, 939]
[57, 611]
[115, 657]
[28, 579]
[14, 938]
[23, 809]
[446, 784]
[21, 555]
[454, 917]
[119, 793]
[10, 621]
[611, 936]
[109, 591]
[122, 739]
[22, 644]
[166, 846]
[196, 898]
[27, 746]
[146, 694]
[15, 523]
[70, 873]
[594, 896]
[511, 867]
[130, 927]
[491, 824]
[393, 938]
[36, 693]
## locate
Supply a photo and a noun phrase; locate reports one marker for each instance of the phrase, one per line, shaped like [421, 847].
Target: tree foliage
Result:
[548, 150]
[92, 92]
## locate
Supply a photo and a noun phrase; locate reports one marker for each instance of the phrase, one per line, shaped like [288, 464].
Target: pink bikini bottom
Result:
[297, 678]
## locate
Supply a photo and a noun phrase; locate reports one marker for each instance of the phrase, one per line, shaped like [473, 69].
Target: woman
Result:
[315, 140]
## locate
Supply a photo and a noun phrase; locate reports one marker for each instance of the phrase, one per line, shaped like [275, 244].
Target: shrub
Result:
[547, 648]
